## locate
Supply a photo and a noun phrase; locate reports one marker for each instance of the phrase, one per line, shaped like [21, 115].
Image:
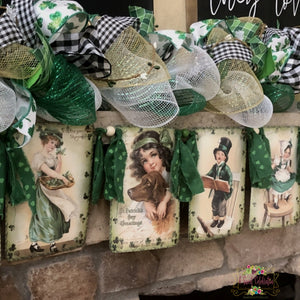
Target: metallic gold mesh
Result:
[134, 62]
[17, 62]
[240, 89]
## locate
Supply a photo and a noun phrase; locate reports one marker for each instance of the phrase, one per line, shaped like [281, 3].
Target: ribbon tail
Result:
[260, 170]
[114, 168]
[98, 167]
[21, 178]
[298, 158]
[190, 172]
[3, 177]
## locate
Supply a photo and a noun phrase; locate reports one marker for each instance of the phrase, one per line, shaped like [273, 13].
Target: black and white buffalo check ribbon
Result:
[87, 49]
[270, 32]
[9, 33]
[25, 20]
[229, 50]
[290, 74]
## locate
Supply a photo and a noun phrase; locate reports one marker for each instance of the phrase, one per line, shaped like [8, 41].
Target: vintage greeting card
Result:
[219, 210]
[278, 205]
[149, 217]
[60, 158]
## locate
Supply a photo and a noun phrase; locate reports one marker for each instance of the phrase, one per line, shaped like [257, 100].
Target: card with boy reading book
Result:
[219, 210]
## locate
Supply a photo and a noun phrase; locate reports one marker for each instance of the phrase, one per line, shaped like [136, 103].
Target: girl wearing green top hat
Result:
[151, 152]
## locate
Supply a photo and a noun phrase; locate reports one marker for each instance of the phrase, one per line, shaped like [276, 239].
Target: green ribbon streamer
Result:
[114, 168]
[3, 175]
[98, 166]
[298, 158]
[18, 179]
[185, 178]
[260, 170]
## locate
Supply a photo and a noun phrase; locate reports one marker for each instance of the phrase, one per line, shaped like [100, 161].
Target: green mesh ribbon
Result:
[189, 101]
[18, 181]
[98, 166]
[146, 18]
[281, 95]
[70, 98]
[185, 179]
[260, 170]
[114, 168]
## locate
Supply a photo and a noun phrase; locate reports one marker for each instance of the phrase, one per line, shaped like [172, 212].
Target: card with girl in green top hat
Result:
[148, 218]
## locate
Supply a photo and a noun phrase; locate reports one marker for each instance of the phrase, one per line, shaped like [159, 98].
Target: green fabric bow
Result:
[185, 179]
[146, 18]
[98, 166]
[248, 32]
[260, 170]
[16, 176]
[114, 168]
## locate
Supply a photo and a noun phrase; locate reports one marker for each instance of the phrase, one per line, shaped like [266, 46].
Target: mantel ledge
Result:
[199, 120]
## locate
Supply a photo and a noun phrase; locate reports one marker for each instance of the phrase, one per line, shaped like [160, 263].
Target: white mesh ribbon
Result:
[7, 106]
[195, 70]
[145, 106]
[255, 117]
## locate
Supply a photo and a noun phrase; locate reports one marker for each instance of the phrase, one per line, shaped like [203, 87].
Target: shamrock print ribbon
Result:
[185, 179]
[98, 166]
[16, 176]
[114, 168]
[260, 170]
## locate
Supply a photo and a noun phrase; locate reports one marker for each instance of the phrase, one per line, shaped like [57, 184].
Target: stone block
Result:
[293, 266]
[125, 271]
[8, 288]
[254, 247]
[217, 281]
[189, 258]
[182, 287]
[69, 279]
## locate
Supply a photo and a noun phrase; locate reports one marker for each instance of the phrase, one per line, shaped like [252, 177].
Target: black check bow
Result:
[87, 49]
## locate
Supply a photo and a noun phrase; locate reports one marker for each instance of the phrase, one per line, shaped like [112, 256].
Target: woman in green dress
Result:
[53, 207]
[283, 178]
